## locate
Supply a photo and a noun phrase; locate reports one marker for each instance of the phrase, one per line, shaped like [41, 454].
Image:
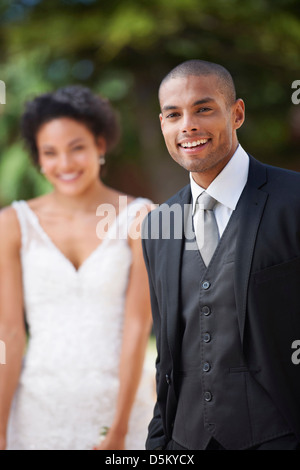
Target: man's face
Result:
[198, 125]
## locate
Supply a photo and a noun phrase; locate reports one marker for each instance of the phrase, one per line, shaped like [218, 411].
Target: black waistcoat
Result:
[219, 395]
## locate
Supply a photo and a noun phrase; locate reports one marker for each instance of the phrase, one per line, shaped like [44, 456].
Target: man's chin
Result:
[205, 165]
[194, 167]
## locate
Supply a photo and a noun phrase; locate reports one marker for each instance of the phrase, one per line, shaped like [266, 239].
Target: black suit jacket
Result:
[267, 289]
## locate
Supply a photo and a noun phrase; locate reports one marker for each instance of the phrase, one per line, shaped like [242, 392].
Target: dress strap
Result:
[20, 208]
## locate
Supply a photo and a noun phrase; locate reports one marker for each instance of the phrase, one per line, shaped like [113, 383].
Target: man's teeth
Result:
[194, 144]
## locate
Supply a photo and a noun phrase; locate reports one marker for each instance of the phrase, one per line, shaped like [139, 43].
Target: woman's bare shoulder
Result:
[115, 194]
[8, 215]
[10, 231]
[118, 199]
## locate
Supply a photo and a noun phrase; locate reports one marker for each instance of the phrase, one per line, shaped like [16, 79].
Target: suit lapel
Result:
[253, 201]
[175, 248]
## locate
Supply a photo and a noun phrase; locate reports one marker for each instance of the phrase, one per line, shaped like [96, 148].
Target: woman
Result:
[73, 262]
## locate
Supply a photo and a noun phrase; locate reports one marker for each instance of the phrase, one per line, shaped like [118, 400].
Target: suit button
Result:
[206, 310]
[206, 337]
[206, 285]
[206, 366]
[168, 380]
[207, 396]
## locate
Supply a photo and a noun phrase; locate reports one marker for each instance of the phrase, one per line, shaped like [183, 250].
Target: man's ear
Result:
[239, 113]
[161, 120]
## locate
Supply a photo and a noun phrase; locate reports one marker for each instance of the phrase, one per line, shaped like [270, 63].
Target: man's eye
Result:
[172, 115]
[203, 110]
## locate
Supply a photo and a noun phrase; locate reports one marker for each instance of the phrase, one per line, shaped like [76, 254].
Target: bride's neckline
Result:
[50, 241]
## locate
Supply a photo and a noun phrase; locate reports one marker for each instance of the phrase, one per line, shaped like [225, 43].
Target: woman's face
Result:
[69, 155]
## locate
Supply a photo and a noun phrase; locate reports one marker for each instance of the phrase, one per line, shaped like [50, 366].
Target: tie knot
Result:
[206, 202]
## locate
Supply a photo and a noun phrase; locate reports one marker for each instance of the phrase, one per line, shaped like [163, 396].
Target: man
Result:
[226, 305]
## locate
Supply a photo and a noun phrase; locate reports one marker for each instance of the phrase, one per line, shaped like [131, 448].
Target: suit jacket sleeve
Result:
[156, 436]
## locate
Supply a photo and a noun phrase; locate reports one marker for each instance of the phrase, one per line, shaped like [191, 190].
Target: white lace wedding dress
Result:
[69, 381]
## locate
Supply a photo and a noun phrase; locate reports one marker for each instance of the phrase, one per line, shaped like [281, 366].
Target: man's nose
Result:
[189, 123]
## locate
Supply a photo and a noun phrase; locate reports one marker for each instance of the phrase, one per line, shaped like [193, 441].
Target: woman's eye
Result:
[49, 154]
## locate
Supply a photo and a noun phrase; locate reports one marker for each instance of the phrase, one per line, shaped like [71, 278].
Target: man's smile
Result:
[193, 146]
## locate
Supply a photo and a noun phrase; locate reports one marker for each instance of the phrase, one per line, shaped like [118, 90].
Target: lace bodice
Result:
[69, 382]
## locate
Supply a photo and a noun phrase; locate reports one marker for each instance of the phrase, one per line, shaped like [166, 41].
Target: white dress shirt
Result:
[226, 188]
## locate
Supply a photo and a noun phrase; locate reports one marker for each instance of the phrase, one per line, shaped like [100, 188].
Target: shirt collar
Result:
[227, 187]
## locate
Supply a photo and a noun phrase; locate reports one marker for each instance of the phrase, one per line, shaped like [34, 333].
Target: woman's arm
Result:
[12, 328]
[137, 326]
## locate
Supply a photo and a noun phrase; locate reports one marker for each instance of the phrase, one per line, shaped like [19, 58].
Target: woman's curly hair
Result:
[74, 102]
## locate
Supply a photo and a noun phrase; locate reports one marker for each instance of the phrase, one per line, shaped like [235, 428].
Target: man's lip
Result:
[195, 149]
[199, 141]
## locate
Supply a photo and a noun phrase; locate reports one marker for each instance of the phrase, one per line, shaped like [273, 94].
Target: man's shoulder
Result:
[183, 196]
[174, 203]
[166, 215]
[283, 180]
[277, 178]
[283, 172]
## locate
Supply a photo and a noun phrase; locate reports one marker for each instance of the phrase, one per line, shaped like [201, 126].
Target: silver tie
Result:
[207, 233]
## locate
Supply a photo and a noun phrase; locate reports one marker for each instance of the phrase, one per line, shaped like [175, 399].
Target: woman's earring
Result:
[102, 160]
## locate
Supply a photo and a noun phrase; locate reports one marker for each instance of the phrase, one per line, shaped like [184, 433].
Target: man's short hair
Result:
[200, 68]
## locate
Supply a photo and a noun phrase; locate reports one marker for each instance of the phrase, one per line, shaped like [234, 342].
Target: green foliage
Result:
[122, 49]
[18, 178]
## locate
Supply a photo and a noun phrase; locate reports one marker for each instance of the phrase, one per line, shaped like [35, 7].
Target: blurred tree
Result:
[122, 49]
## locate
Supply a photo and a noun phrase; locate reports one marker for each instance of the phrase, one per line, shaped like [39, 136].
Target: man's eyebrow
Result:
[206, 100]
[169, 107]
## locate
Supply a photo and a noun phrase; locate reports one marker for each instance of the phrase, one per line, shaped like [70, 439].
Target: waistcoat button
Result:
[206, 337]
[205, 310]
[206, 366]
[206, 285]
[207, 396]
